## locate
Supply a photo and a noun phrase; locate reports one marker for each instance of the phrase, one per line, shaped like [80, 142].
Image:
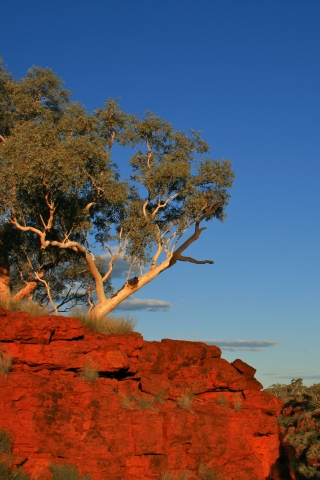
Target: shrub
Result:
[32, 308]
[105, 325]
[66, 472]
[301, 425]
[186, 400]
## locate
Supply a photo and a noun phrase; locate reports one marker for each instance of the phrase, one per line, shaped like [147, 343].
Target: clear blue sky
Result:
[246, 73]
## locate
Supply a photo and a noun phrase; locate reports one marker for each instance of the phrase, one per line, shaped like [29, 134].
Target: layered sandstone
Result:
[155, 407]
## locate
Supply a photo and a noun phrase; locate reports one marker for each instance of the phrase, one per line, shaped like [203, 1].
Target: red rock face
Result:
[156, 406]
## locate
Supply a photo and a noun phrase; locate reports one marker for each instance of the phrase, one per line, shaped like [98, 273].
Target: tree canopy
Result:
[62, 195]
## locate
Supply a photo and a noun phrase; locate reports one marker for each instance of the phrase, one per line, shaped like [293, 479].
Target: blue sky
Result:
[248, 75]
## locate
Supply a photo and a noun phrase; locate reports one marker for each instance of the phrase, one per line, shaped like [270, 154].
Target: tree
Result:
[62, 193]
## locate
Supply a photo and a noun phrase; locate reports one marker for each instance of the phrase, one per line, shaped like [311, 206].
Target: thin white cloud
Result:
[305, 376]
[249, 345]
[149, 304]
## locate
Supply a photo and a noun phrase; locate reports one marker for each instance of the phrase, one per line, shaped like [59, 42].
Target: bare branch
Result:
[3, 139]
[144, 209]
[42, 235]
[112, 260]
[78, 248]
[48, 293]
[177, 254]
[162, 205]
[87, 207]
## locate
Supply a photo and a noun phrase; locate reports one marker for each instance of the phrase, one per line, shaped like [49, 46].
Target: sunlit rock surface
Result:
[155, 407]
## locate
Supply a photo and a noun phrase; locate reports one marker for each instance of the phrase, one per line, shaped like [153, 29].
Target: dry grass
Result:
[186, 400]
[221, 400]
[166, 476]
[145, 403]
[66, 472]
[32, 308]
[105, 325]
[237, 403]
[5, 443]
[89, 374]
[159, 398]
[5, 364]
[205, 473]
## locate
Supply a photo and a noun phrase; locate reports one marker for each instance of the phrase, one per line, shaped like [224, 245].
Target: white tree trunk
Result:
[129, 288]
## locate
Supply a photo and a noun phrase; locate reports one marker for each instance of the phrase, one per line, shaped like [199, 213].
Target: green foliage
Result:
[62, 195]
[67, 472]
[301, 424]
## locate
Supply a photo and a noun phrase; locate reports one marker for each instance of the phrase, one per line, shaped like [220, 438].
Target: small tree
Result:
[62, 192]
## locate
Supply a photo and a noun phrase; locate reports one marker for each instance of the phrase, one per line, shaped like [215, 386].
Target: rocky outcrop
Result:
[155, 406]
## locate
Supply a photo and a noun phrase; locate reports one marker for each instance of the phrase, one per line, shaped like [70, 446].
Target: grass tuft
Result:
[221, 400]
[32, 308]
[105, 325]
[205, 473]
[5, 364]
[66, 472]
[5, 443]
[186, 400]
[167, 476]
[89, 374]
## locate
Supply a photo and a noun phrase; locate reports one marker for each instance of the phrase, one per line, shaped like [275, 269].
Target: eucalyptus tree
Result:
[61, 188]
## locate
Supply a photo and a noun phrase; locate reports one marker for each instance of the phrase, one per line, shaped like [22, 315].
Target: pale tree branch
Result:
[48, 292]
[3, 139]
[78, 248]
[112, 260]
[149, 154]
[144, 209]
[177, 254]
[87, 207]
[42, 235]
[162, 205]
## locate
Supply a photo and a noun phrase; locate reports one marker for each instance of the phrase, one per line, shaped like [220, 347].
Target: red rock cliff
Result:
[155, 407]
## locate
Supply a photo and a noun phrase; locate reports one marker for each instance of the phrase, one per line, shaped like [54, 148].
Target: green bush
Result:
[105, 325]
[301, 425]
